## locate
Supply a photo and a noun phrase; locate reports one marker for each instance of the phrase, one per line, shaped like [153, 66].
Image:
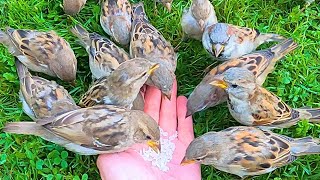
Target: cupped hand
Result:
[129, 165]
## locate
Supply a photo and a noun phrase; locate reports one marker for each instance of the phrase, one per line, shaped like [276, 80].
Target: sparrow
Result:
[122, 86]
[248, 151]
[43, 52]
[194, 19]
[261, 63]
[147, 42]
[94, 130]
[104, 55]
[115, 19]
[42, 98]
[73, 7]
[226, 41]
[252, 105]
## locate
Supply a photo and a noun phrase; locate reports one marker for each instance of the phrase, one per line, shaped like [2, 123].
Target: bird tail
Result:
[6, 41]
[313, 113]
[33, 128]
[283, 48]
[138, 13]
[82, 34]
[269, 37]
[30, 128]
[305, 146]
[22, 70]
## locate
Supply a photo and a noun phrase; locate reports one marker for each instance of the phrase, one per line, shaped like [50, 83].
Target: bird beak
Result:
[155, 145]
[217, 48]
[185, 161]
[167, 6]
[219, 83]
[153, 68]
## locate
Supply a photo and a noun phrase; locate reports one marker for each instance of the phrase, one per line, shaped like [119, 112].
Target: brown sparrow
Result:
[252, 105]
[94, 130]
[43, 52]
[226, 41]
[194, 19]
[260, 63]
[122, 86]
[248, 151]
[73, 7]
[147, 42]
[116, 19]
[42, 98]
[104, 55]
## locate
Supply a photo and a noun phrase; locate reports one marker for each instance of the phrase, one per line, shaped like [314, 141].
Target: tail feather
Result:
[82, 34]
[315, 114]
[305, 146]
[283, 48]
[139, 13]
[269, 37]
[32, 128]
[22, 70]
[6, 41]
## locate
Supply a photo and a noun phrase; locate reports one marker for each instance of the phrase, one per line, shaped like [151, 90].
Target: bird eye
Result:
[148, 137]
[234, 85]
[198, 159]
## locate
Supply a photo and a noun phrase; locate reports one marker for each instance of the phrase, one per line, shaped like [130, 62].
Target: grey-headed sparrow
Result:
[73, 7]
[94, 130]
[260, 63]
[43, 52]
[252, 105]
[147, 42]
[248, 151]
[122, 86]
[115, 19]
[42, 98]
[104, 55]
[194, 19]
[225, 41]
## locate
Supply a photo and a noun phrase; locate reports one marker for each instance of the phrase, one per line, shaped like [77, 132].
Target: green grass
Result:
[296, 79]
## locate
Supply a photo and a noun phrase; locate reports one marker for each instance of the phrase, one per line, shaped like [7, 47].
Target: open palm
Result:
[171, 117]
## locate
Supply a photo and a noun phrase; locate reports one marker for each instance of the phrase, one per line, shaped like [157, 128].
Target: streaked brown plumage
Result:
[252, 105]
[42, 98]
[44, 52]
[122, 86]
[261, 63]
[95, 130]
[147, 42]
[248, 151]
[104, 55]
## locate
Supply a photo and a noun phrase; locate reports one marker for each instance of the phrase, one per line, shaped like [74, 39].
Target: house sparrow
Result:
[94, 130]
[104, 55]
[42, 98]
[122, 86]
[226, 41]
[43, 52]
[252, 105]
[248, 151]
[194, 19]
[116, 19]
[261, 63]
[147, 42]
[73, 7]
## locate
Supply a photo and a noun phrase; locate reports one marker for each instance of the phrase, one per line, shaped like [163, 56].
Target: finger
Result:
[152, 102]
[185, 125]
[168, 112]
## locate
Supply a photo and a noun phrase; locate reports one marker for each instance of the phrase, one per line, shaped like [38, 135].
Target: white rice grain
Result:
[167, 148]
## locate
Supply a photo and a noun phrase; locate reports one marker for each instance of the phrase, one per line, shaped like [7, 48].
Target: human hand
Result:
[171, 117]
